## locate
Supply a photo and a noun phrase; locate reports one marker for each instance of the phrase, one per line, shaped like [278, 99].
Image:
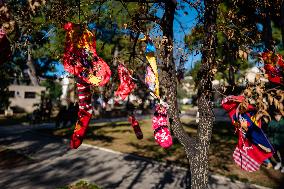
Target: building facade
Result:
[24, 97]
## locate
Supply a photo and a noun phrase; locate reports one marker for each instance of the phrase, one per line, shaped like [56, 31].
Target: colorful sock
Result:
[126, 85]
[248, 155]
[159, 125]
[273, 65]
[84, 114]
[136, 127]
[150, 78]
[80, 56]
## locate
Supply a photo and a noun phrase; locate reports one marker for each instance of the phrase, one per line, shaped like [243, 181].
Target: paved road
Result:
[54, 166]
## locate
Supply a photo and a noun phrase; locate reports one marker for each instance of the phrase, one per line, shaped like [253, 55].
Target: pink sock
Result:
[159, 125]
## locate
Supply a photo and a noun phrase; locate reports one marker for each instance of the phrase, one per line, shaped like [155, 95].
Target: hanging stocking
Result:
[249, 156]
[274, 67]
[253, 132]
[126, 85]
[136, 127]
[150, 56]
[80, 56]
[84, 114]
[159, 125]
[253, 146]
[150, 78]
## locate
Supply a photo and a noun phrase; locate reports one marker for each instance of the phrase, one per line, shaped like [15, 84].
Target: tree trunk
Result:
[267, 31]
[31, 70]
[200, 162]
[170, 81]
[197, 149]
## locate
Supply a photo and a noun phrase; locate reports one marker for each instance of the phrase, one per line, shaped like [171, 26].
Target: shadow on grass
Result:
[16, 119]
[174, 155]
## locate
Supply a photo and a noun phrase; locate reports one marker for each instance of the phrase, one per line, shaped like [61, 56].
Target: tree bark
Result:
[196, 148]
[267, 31]
[31, 70]
[200, 162]
[169, 71]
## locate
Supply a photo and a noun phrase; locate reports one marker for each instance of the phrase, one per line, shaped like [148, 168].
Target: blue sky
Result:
[183, 24]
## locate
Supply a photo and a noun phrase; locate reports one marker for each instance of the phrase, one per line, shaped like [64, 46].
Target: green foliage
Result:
[5, 80]
[54, 89]
[181, 93]
[194, 71]
[82, 184]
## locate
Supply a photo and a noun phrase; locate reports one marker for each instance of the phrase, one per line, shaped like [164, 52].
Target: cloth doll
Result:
[150, 78]
[252, 132]
[126, 85]
[159, 125]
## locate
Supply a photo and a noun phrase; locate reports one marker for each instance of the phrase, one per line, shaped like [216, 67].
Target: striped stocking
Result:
[84, 114]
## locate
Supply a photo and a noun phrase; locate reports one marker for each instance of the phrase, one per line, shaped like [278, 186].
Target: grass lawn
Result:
[81, 185]
[119, 136]
[16, 119]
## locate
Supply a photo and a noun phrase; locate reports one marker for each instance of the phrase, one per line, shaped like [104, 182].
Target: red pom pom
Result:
[68, 26]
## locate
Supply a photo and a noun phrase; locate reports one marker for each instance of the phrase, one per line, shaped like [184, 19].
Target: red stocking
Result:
[80, 56]
[249, 156]
[136, 127]
[126, 85]
[84, 114]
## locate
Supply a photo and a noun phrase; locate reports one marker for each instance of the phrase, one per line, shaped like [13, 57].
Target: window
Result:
[30, 94]
[12, 94]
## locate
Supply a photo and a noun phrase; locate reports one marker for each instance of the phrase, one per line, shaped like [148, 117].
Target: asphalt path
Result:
[55, 165]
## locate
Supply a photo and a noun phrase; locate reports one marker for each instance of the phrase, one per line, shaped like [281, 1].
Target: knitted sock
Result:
[136, 127]
[159, 125]
[84, 114]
